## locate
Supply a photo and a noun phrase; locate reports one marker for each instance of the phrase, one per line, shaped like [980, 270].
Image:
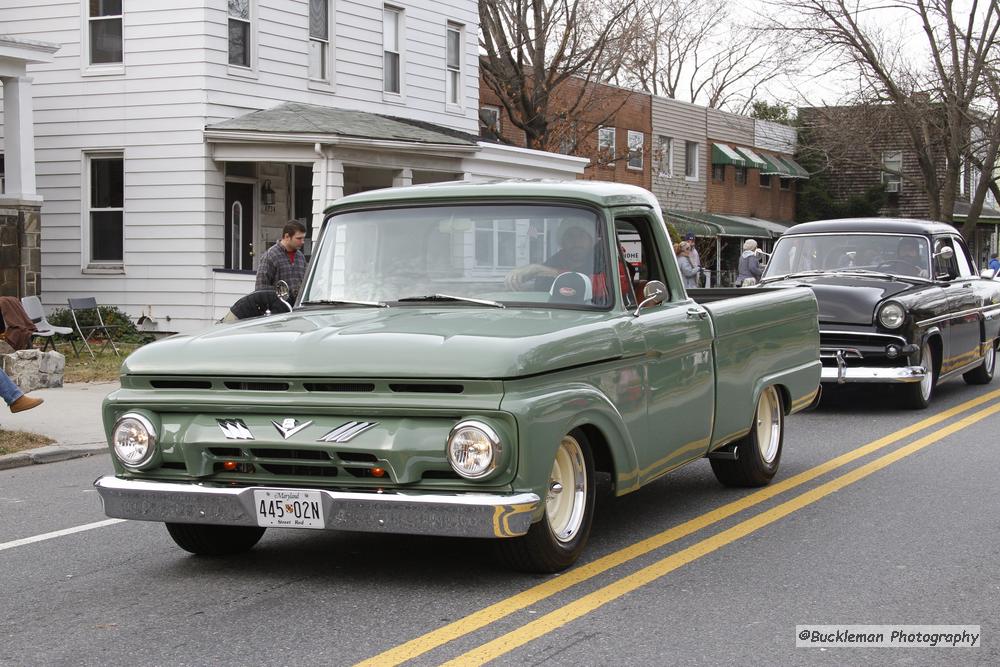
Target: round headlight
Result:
[473, 449]
[891, 316]
[134, 440]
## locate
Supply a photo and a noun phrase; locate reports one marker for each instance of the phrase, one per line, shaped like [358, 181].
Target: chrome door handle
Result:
[696, 314]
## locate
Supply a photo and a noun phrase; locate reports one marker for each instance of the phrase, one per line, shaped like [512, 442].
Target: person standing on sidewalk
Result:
[14, 397]
[284, 261]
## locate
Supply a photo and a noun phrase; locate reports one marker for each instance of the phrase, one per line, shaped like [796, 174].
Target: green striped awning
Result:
[754, 161]
[700, 223]
[774, 166]
[795, 170]
[723, 154]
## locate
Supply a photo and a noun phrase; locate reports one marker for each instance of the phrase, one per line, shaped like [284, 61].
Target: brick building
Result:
[868, 147]
[611, 128]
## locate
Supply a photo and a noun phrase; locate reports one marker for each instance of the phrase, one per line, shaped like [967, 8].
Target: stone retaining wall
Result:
[33, 369]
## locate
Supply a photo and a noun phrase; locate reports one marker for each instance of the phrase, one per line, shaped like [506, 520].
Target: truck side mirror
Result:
[654, 293]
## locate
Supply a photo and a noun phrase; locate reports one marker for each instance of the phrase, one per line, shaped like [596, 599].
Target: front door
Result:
[239, 226]
[964, 328]
[680, 377]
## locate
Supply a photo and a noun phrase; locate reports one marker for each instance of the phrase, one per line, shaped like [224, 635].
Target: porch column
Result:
[402, 178]
[19, 137]
[328, 186]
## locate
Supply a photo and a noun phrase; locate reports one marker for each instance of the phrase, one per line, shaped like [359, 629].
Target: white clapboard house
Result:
[174, 139]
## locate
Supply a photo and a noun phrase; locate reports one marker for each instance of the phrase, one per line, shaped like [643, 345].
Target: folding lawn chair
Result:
[86, 308]
[33, 308]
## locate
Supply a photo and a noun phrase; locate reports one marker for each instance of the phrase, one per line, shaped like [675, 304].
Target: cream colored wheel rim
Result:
[768, 424]
[567, 496]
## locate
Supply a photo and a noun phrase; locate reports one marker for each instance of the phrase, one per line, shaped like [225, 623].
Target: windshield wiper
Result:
[797, 274]
[344, 302]
[448, 297]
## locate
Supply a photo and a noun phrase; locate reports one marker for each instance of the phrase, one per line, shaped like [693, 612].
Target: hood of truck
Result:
[402, 342]
[849, 299]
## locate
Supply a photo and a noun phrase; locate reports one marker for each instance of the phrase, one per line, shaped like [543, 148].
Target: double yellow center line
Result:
[592, 601]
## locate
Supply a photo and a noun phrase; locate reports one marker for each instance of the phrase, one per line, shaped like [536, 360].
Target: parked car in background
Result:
[462, 360]
[900, 302]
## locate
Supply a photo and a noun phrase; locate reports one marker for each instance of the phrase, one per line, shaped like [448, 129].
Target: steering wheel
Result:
[890, 263]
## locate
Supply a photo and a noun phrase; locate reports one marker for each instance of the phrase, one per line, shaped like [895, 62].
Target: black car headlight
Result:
[891, 315]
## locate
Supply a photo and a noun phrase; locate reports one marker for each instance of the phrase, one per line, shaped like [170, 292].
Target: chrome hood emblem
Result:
[345, 432]
[235, 429]
[289, 427]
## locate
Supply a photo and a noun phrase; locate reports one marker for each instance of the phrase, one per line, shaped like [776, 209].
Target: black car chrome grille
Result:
[859, 348]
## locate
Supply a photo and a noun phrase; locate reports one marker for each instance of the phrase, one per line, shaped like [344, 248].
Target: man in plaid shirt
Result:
[284, 261]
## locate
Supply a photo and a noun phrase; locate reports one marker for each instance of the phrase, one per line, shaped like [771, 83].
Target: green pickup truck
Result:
[464, 360]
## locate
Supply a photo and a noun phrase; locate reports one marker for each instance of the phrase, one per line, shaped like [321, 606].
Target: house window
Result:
[489, 122]
[390, 50]
[635, 146]
[666, 164]
[319, 40]
[741, 175]
[567, 142]
[453, 83]
[765, 180]
[606, 143]
[239, 33]
[892, 160]
[718, 173]
[691, 160]
[496, 244]
[106, 206]
[105, 19]
[785, 184]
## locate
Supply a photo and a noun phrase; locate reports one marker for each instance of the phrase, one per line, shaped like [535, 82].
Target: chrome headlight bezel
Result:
[891, 315]
[489, 434]
[148, 457]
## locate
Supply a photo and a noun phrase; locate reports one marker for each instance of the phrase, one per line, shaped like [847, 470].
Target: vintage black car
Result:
[900, 301]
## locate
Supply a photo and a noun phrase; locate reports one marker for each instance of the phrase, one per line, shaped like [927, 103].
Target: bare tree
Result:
[699, 51]
[540, 57]
[943, 94]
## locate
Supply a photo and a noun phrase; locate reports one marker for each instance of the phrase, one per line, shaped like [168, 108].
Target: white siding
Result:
[774, 137]
[683, 122]
[728, 127]
[174, 81]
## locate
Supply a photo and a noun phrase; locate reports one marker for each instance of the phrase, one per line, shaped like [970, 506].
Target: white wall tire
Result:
[917, 395]
[556, 542]
[759, 452]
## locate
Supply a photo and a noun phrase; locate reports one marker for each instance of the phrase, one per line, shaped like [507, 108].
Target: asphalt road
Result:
[899, 525]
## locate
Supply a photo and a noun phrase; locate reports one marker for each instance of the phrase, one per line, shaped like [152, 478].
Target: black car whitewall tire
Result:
[983, 374]
[554, 543]
[759, 452]
[917, 395]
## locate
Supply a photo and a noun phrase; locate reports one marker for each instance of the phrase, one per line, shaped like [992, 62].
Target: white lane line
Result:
[59, 533]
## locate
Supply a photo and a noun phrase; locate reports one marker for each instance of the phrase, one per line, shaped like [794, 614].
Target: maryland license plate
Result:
[286, 508]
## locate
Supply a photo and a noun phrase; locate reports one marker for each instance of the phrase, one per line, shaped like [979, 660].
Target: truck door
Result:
[678, 361]
[964, 327]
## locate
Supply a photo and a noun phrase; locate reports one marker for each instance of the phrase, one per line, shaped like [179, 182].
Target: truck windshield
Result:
[516, 253]
[900, 255]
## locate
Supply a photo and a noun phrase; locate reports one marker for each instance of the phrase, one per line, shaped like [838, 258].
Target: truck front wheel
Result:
[554, 543]
[758, 452]
[207, 540]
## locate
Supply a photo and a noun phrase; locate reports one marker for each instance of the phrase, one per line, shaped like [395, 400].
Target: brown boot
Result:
[25, 403]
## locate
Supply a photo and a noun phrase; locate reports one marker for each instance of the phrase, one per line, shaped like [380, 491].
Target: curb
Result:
[51, 454]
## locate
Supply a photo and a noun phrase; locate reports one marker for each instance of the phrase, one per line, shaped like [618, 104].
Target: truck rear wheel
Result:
[759, 452]
[207, 540]
[554, 543]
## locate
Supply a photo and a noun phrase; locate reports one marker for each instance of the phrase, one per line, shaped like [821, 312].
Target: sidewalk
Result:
[70, 415]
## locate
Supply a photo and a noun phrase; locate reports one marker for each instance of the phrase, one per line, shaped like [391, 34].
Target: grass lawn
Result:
[16, 441]
[104, 368]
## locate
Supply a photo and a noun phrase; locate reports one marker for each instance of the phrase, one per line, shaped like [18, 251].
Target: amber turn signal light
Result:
[378, 472]
[229, 465]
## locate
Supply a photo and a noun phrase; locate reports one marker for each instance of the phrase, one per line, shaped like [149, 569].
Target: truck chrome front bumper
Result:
[459, 515]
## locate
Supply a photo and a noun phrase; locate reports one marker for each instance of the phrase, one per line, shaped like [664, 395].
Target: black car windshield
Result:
[517, 253]
[894, 254]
